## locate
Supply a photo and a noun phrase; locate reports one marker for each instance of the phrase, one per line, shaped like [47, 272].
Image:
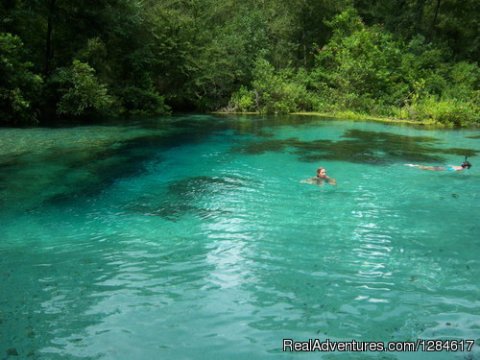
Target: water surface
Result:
[193, 238]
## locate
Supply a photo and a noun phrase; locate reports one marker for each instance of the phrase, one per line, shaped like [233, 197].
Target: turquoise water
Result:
[193, 238]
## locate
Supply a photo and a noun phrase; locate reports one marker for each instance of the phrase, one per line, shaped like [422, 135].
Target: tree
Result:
[81, 92]
[19, 86]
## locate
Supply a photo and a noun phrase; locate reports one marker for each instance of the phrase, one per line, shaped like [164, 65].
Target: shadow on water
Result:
[181, 196]
[359, 146]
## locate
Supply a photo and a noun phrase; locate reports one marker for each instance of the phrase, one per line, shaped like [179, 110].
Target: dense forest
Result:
[84, 59]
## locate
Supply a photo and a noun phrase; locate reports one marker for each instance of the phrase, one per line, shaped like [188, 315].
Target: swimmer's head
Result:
[466, 164]
[321, 172]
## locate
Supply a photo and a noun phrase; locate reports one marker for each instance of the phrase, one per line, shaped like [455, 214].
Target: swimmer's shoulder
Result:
[313, 180]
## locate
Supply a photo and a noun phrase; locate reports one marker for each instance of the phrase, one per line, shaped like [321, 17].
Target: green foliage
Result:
[366, 70]
[272, 92]
[139, 101]
[95, 54]
[278, 92]
[243, 100]
[450, 24]
[164, 59]
[452, 112]
[345, 24]
[409, 58]
[19, 86]
[360, 64]
[80, 91]
[463, 80]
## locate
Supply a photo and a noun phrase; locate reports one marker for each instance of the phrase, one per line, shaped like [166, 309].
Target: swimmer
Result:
[465, 165]
[321, 178]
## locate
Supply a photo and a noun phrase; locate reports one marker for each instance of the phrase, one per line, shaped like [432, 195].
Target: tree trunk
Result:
[49, 45]
[434, 22]
[304, 45]
[419, 8]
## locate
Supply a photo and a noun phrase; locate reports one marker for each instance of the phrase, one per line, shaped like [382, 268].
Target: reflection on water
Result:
[193, 237]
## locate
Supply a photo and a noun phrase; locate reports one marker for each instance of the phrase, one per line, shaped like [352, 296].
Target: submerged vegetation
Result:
[414, 59]
[96, 158]
[358, 146]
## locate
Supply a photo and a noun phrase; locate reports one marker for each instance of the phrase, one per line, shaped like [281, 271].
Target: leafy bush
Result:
[19, 86]
[361, 64]
[142, 101]
[451, 112]
[366, 70]
[81, 92]
[243, 100]
[464, 79]
[273, 92]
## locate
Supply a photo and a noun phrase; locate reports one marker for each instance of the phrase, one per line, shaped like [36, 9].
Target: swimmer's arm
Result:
[332, 181]
[313, 181]
[423, 167]
[308, 181]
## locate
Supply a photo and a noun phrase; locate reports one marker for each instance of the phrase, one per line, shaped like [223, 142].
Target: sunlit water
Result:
[194, 238]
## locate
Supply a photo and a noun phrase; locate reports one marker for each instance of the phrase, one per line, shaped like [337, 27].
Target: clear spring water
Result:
[193, 238]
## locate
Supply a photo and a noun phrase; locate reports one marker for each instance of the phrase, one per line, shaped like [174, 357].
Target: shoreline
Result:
[350, 115]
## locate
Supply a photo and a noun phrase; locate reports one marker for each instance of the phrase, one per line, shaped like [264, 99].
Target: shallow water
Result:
[193, 238]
